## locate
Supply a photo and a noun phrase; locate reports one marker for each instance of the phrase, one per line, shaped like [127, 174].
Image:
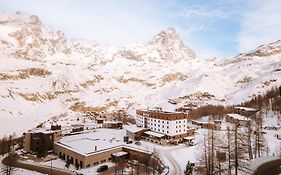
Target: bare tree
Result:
[228, 148]
[206, 155]
[236, 150]
[250, 142]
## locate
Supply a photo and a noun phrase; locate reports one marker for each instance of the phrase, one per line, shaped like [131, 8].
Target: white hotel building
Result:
[171, 124]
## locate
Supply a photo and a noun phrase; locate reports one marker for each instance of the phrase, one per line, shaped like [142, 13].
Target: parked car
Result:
[102, 168]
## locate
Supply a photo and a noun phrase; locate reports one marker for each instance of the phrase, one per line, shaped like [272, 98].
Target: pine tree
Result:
[189, 168]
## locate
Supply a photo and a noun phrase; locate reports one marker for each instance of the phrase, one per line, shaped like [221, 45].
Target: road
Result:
[269, 168]
[33, 166]
[175, 169]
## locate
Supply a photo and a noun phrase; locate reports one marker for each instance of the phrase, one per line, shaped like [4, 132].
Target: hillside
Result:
[44, 74]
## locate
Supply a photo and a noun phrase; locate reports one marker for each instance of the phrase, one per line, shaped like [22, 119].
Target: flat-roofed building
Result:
[171, 124]
[207, 125]
[112, 124]
[134, 132]
[92, 148]
[238, 119]
[246, 111]
[40, 140]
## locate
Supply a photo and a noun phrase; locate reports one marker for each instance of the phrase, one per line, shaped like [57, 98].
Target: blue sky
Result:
[213, 28]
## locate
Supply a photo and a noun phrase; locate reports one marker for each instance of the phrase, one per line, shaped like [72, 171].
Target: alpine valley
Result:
[44, 75]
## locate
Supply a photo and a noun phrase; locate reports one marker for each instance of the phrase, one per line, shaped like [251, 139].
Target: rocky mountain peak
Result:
[19, 18]
[170, 46]
[25, 36]
[165, 38]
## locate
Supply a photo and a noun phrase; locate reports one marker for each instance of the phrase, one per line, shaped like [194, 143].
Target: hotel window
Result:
[176, 126]
[159, 130]
[162, 121]
[179, 121]
[167, 122]
[168, 127]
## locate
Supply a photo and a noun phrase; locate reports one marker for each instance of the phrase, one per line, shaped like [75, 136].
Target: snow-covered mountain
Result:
[44, 74]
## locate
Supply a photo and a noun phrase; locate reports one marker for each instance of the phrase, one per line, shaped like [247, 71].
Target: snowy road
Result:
[175, 169]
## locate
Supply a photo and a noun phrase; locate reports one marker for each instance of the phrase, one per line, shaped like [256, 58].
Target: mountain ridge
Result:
[52, 75]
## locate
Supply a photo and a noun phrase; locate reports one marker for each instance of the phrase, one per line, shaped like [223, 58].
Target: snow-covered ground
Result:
[106, 78]
[17, 171]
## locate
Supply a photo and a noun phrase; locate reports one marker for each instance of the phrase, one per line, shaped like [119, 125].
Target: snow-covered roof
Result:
[112, 122]
[119, 154]
[161, 111]
[202, 122]
[42, 130]
[155, 134]
[91, 142]
[132, 128]
[238, 117]
[246, 109]
[189, 138]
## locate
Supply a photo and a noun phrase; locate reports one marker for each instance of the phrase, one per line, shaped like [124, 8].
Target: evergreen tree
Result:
[189, 168]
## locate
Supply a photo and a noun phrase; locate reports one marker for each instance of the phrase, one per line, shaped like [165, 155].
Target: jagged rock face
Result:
[166, 46]
[28, 38]
[170, 46]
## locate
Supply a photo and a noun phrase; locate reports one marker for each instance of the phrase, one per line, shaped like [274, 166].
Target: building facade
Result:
[238, 119]
[40, 140]
[172, 124]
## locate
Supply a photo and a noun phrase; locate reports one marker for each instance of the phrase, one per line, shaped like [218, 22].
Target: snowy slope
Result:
[44, 74]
